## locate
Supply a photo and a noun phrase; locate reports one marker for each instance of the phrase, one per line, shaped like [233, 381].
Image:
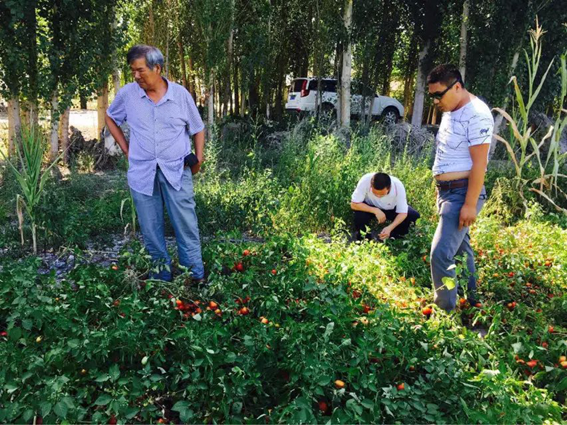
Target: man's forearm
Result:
[476, 181]
[199, 141]
[361, 206]
[398, 220]
[117, 134]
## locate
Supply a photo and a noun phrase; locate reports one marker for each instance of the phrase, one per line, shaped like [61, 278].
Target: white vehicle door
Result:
[355, 98]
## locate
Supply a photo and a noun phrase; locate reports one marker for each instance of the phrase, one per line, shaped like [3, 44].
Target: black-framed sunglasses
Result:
[439, 94]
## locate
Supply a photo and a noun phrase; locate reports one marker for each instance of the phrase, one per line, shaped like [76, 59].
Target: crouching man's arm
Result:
[385, 233]
[361, 206]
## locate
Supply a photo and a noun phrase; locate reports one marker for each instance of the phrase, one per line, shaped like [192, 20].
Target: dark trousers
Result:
[363, 219]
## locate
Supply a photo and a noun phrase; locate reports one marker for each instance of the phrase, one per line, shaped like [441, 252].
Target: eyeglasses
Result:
[439, 94]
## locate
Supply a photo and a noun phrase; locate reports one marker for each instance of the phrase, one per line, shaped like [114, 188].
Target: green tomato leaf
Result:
[103, 400]
[61, 409]
[449, 282]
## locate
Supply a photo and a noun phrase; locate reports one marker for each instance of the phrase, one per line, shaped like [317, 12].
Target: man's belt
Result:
[452, 184]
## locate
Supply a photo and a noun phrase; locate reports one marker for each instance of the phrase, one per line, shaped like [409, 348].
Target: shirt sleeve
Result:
[195, 122]
[479, 130]
[401, 201]
[359, 193]
[117, 110]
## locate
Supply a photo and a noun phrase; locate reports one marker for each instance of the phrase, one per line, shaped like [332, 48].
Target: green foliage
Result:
[31, 176]
[523, 148]
[118, 345]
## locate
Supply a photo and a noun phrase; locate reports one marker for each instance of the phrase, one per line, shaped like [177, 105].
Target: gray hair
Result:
[152, 55]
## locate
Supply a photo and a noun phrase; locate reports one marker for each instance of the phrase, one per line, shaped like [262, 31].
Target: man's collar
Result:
[167, 96]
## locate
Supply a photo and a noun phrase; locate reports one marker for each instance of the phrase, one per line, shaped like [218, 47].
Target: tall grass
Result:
[303, 185]
[524, 149]
[27, 168]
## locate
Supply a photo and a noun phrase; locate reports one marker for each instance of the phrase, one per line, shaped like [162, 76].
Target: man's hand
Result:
[385, 233]
[380, 216]
[467, 216]
[195, 168]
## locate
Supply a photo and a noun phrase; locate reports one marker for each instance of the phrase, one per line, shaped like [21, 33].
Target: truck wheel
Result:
[390, 115]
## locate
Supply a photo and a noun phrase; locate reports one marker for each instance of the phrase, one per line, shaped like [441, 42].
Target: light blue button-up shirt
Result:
[159, 133]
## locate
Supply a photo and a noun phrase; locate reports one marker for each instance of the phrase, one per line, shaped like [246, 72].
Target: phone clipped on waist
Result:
[190, 161]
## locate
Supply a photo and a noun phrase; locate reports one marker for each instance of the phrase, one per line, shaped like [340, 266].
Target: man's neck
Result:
[159, 87]
[466, 98]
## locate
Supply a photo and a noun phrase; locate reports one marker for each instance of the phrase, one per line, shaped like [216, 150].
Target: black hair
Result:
[381, 181]
[446, 74]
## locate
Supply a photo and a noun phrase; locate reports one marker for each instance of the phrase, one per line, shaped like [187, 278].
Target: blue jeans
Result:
[450, 242]
[181, 210]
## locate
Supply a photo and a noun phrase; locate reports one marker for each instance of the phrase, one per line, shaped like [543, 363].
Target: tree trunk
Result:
[115, 61]
[192, 85]
[227, 93]
[236, 90]
[182, 61]
[346, 69]
[417, 115]
[116, 80]
[339, 62]
[211, 108]
[463, 40]
[14, 123]
[83, 101]
[434, 115]
[278, 110]
[54, 150]
[499, 119]
[33, 114]
[64, 134]
[32, 62]
[152, 30]
[102, 106]
[409, 75]
[244, 105]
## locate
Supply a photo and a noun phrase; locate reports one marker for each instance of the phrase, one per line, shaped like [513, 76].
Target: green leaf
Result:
[180, 406]
[114, 372]
[27, 415]
[517, 347]
[131, 412]
[103, 400]
[102, 378]
[61, 410]
[73, 343]
[27, 324]
[449, 282]
[324, 380]
[45, 409]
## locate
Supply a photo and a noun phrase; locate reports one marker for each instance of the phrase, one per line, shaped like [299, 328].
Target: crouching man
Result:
[381, 197]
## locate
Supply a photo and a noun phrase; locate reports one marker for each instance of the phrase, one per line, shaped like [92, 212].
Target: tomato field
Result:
[295, 325]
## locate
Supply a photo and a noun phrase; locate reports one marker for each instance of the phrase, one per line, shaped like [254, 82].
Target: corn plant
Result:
[131, 226]
[27, 169]
[522, 140]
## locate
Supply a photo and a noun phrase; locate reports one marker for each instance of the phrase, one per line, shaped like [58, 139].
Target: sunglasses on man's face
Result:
[439, 94]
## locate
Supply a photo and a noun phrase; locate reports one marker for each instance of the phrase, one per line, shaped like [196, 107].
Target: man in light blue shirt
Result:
[162, 117]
